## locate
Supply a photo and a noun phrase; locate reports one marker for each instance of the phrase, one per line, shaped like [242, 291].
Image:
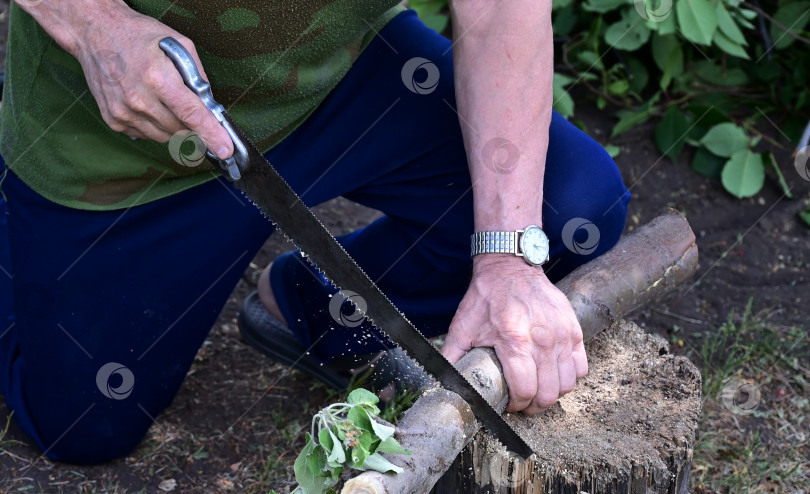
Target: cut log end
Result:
[628, 427]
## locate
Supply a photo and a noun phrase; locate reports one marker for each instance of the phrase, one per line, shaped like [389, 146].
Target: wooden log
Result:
[644, 265]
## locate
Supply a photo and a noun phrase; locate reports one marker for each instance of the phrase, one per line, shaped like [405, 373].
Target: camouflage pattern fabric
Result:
[270, 62]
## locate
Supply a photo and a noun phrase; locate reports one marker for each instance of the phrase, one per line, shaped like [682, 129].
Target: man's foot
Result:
[266, 295]
[382, 371]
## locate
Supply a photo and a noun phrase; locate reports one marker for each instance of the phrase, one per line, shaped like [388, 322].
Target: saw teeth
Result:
[268, 176]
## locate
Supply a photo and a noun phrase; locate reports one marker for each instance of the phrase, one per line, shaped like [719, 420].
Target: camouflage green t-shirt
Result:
[270, 62]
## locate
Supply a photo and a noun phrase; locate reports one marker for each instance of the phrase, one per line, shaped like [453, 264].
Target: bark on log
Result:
[644, 265]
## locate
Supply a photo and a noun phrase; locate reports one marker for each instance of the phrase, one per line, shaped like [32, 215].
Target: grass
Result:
[754, 430]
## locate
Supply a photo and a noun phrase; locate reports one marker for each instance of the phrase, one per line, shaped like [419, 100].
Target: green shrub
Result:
[712, 69]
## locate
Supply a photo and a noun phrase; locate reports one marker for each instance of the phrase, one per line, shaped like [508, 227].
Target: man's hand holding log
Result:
[503, 56]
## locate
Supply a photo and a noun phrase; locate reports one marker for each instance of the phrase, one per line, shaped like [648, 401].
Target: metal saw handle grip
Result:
[185, 64]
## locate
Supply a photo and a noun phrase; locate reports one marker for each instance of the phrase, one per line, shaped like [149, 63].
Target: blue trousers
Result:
[106, 310]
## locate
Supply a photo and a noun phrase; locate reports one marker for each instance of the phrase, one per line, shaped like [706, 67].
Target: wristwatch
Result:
[531, 244]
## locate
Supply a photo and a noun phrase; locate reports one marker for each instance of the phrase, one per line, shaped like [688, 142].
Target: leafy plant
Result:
[697, 64]
[711, 62]
[345, 435]
[432, 12]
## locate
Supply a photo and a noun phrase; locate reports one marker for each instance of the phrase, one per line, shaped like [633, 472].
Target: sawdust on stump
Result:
[628, 427]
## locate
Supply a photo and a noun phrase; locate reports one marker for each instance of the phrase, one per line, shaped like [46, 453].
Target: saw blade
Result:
[263, 185]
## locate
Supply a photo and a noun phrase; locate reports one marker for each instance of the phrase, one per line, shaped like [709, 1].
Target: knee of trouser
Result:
[94, 446]
[588, 207]
[71, 430]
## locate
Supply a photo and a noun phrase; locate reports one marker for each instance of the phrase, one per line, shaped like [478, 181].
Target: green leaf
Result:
[668, 55]
[707, 164]
[430, 12]
[359, 416]
[381, 430]
[705, 117]
[426, 8]
[325, 440]
[743, 22]
[591, 59]
[793, 16]
[667, 26]
[724, 43]
[630, 118]
[805, 216]
[725, 139]
[565, 20]
[744, 173]
[619, 87]
[437, 22]
[316, 461]
[336, 455]
[362, 397]
[748, 14]
[309, 468]
[727, 26]
[671, 132]
[603, 6]
[715, 74]
[639, 75]
[380, 464]
[721, 101]
[768, 156]
[697, 19]
[560, 4]
[563, 102]
[391, 445]
[613, 150]
[629, 33]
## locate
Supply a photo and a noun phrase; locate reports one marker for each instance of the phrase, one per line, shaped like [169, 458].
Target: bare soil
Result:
[237, 423]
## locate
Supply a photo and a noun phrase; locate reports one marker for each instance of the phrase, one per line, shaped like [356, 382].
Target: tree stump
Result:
[626, 366]
[627, 428]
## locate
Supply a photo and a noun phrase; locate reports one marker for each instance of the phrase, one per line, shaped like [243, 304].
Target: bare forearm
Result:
[503, 57]
[69, 22]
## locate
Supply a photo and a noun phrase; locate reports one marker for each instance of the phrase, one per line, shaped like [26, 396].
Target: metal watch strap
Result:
[494, 242]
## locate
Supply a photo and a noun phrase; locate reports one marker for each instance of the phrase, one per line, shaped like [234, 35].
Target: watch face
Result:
[534, 245]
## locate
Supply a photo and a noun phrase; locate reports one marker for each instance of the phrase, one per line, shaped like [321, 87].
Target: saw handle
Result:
[184, 63]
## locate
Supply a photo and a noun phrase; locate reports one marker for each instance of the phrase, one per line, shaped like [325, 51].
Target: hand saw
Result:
[260, 182]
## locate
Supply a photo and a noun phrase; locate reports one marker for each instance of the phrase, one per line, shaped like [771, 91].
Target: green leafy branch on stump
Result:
[345, 436]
